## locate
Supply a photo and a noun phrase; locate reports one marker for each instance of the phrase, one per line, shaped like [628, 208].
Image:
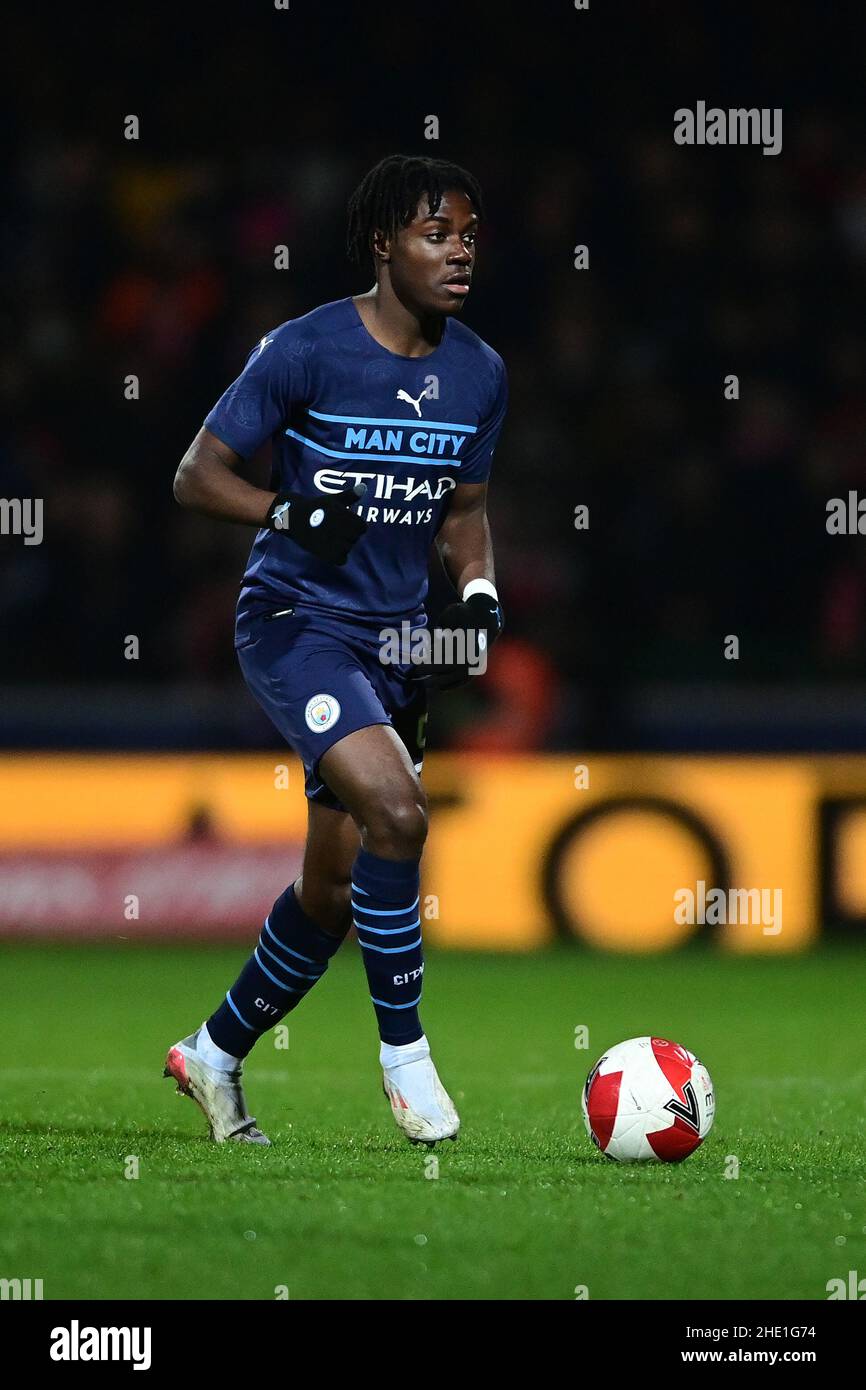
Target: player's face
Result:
[432, 259]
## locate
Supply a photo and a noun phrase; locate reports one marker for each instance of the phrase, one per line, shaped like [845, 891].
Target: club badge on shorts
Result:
[322, 712]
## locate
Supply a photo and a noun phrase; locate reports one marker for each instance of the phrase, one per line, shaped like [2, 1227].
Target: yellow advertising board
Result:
[623, 853]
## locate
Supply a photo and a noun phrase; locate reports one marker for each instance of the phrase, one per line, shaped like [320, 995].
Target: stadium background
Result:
[155, 257]
[611, 754]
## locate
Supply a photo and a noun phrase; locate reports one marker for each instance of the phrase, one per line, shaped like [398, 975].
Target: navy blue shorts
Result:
[319, 680]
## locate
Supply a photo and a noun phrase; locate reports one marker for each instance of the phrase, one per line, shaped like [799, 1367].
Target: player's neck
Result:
[395, 327]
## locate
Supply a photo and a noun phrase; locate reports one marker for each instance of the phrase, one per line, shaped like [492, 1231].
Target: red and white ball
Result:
[648, 1100]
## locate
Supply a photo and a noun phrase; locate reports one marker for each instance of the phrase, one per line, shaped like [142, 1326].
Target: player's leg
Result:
[288, 663]
[301, 933]
[372, 773]
[324, 887]
[303, 930]
[285, 660]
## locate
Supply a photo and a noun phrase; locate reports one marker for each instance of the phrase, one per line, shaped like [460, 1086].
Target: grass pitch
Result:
[342, 1207]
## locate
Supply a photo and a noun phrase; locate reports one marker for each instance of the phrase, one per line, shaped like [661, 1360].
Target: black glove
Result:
[481, 619]
[324, 526]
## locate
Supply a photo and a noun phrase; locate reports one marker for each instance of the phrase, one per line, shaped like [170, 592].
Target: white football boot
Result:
[421, 1106]
[218, 1094]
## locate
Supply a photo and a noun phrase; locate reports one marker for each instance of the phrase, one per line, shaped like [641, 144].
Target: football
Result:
[648, 1100]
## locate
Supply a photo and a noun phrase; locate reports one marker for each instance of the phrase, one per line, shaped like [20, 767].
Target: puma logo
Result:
[410, 400]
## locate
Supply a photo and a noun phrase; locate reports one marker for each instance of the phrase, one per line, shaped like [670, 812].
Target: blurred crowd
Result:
[154, 258]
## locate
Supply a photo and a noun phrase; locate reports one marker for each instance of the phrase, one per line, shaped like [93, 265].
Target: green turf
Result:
[340, 1207]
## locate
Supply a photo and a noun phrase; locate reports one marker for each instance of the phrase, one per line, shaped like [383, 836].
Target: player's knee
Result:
[330, 906]
[397, 829]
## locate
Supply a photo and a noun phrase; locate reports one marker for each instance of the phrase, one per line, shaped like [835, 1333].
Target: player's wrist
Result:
[478, 586]
[327, 527]
[287, 513]
[275, 499]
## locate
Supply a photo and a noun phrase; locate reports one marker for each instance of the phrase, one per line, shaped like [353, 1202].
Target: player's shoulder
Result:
[470, 344]
[308, 330]
[478, 363]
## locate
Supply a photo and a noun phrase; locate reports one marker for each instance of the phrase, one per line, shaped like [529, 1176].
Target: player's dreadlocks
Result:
[387, 197]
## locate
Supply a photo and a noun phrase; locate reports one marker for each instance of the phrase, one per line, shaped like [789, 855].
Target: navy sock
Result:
[291, 955]
[385, 910]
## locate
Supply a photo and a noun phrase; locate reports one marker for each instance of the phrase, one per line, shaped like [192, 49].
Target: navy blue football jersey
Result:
[339, 407]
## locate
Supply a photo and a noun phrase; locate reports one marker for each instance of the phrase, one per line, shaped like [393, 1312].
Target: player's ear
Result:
[381, 246]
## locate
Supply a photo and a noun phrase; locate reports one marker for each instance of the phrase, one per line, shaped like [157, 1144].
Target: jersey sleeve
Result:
[476, 464]
[259, 401]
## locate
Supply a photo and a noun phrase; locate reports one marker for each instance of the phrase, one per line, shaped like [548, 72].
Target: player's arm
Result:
[463, 541]
[207, 481]
[466, 550]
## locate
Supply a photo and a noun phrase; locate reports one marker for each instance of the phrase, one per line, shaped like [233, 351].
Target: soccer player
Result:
[384, 411]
